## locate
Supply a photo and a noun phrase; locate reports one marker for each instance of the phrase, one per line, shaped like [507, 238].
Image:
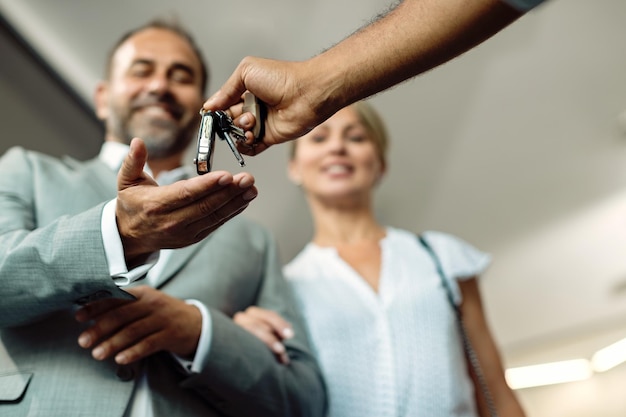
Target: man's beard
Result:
[163, 136]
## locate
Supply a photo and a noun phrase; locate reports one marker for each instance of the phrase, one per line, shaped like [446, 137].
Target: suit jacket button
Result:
[125, 373]
[98, 295]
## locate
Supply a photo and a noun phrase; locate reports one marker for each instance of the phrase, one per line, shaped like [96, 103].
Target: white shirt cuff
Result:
[202, 352]
[115, 251]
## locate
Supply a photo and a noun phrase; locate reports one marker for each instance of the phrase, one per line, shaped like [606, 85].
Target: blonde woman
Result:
[374, 297]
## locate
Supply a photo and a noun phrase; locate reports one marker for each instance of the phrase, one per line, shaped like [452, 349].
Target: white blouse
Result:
[396, 352]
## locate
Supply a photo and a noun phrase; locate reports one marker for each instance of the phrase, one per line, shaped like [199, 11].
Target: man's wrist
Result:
[325, 89]
[201, 354]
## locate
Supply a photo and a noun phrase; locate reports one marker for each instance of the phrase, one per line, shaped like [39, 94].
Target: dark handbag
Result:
[470, 353]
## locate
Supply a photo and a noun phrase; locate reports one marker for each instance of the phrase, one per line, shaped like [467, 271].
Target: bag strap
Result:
[467, 345]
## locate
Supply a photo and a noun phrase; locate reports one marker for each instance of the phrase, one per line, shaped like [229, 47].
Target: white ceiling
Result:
[516, 146]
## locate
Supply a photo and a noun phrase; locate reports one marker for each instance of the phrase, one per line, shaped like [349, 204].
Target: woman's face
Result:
[337, 159]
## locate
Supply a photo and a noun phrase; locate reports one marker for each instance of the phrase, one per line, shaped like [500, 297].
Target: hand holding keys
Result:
[218, 123]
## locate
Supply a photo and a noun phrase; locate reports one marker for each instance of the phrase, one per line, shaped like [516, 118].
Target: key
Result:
[206, 144]
[218, 123]
[212, 124]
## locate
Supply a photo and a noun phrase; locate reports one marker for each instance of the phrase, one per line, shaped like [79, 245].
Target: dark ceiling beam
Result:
[10, 33]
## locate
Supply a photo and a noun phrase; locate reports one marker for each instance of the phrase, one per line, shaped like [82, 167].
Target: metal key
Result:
[227, 128]
[212, 124]
[219, 123]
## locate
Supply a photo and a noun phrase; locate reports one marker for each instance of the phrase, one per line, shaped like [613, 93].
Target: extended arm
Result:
[414, 37]
[51, 251]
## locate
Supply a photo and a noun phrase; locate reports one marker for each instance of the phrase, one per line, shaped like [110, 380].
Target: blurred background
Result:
[518, 147]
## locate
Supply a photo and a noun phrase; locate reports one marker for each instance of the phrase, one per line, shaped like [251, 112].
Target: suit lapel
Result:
[97, 174]
[178, 258]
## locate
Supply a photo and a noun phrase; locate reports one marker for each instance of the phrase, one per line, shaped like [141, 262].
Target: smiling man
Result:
[117, 300]
[153, 91]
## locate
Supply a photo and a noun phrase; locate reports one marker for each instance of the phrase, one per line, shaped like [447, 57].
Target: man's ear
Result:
[101, 100]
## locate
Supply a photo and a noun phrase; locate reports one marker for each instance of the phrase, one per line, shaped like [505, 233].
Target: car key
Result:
[218, 123]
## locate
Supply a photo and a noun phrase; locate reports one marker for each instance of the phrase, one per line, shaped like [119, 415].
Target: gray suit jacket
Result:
[52, 260]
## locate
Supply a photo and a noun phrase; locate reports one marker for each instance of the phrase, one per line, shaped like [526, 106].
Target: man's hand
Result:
[268, 326]
[287, 90]
[150, 217]
[133, 330]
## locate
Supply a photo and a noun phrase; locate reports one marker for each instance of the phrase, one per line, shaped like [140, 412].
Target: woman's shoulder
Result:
[460, 258]
[303, 263]
[457, 256]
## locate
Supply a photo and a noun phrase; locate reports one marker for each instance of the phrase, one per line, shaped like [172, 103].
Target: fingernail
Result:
[245, 120]
[278, 347]
[284, 359]
[84, 340]
[98, 352]
[288, 333]
[121, 359]
[250, 194]
[246, 182]
[208, 105]
[225, 180]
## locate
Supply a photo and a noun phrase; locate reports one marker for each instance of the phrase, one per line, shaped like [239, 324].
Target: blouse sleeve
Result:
[459, 260]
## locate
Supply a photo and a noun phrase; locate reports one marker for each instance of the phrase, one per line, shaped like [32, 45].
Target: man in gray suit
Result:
[118, 290]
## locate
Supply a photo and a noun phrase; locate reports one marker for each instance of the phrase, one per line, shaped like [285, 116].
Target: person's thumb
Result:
[230, 93]
[131, 173]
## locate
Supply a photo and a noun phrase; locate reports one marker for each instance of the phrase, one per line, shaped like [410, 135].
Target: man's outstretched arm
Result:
[411, 38]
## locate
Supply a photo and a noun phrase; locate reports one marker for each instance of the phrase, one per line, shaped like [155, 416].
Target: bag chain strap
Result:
[467, 345]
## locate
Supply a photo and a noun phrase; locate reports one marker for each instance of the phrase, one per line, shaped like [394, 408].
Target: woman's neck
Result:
[338, 226]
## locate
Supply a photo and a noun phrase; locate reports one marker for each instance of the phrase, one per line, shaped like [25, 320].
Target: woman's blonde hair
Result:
[373, 123]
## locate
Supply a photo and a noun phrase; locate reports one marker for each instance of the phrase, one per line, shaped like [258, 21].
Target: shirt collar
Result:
[113, 154]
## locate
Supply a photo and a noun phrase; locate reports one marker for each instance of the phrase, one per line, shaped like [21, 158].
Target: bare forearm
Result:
[414, 37]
